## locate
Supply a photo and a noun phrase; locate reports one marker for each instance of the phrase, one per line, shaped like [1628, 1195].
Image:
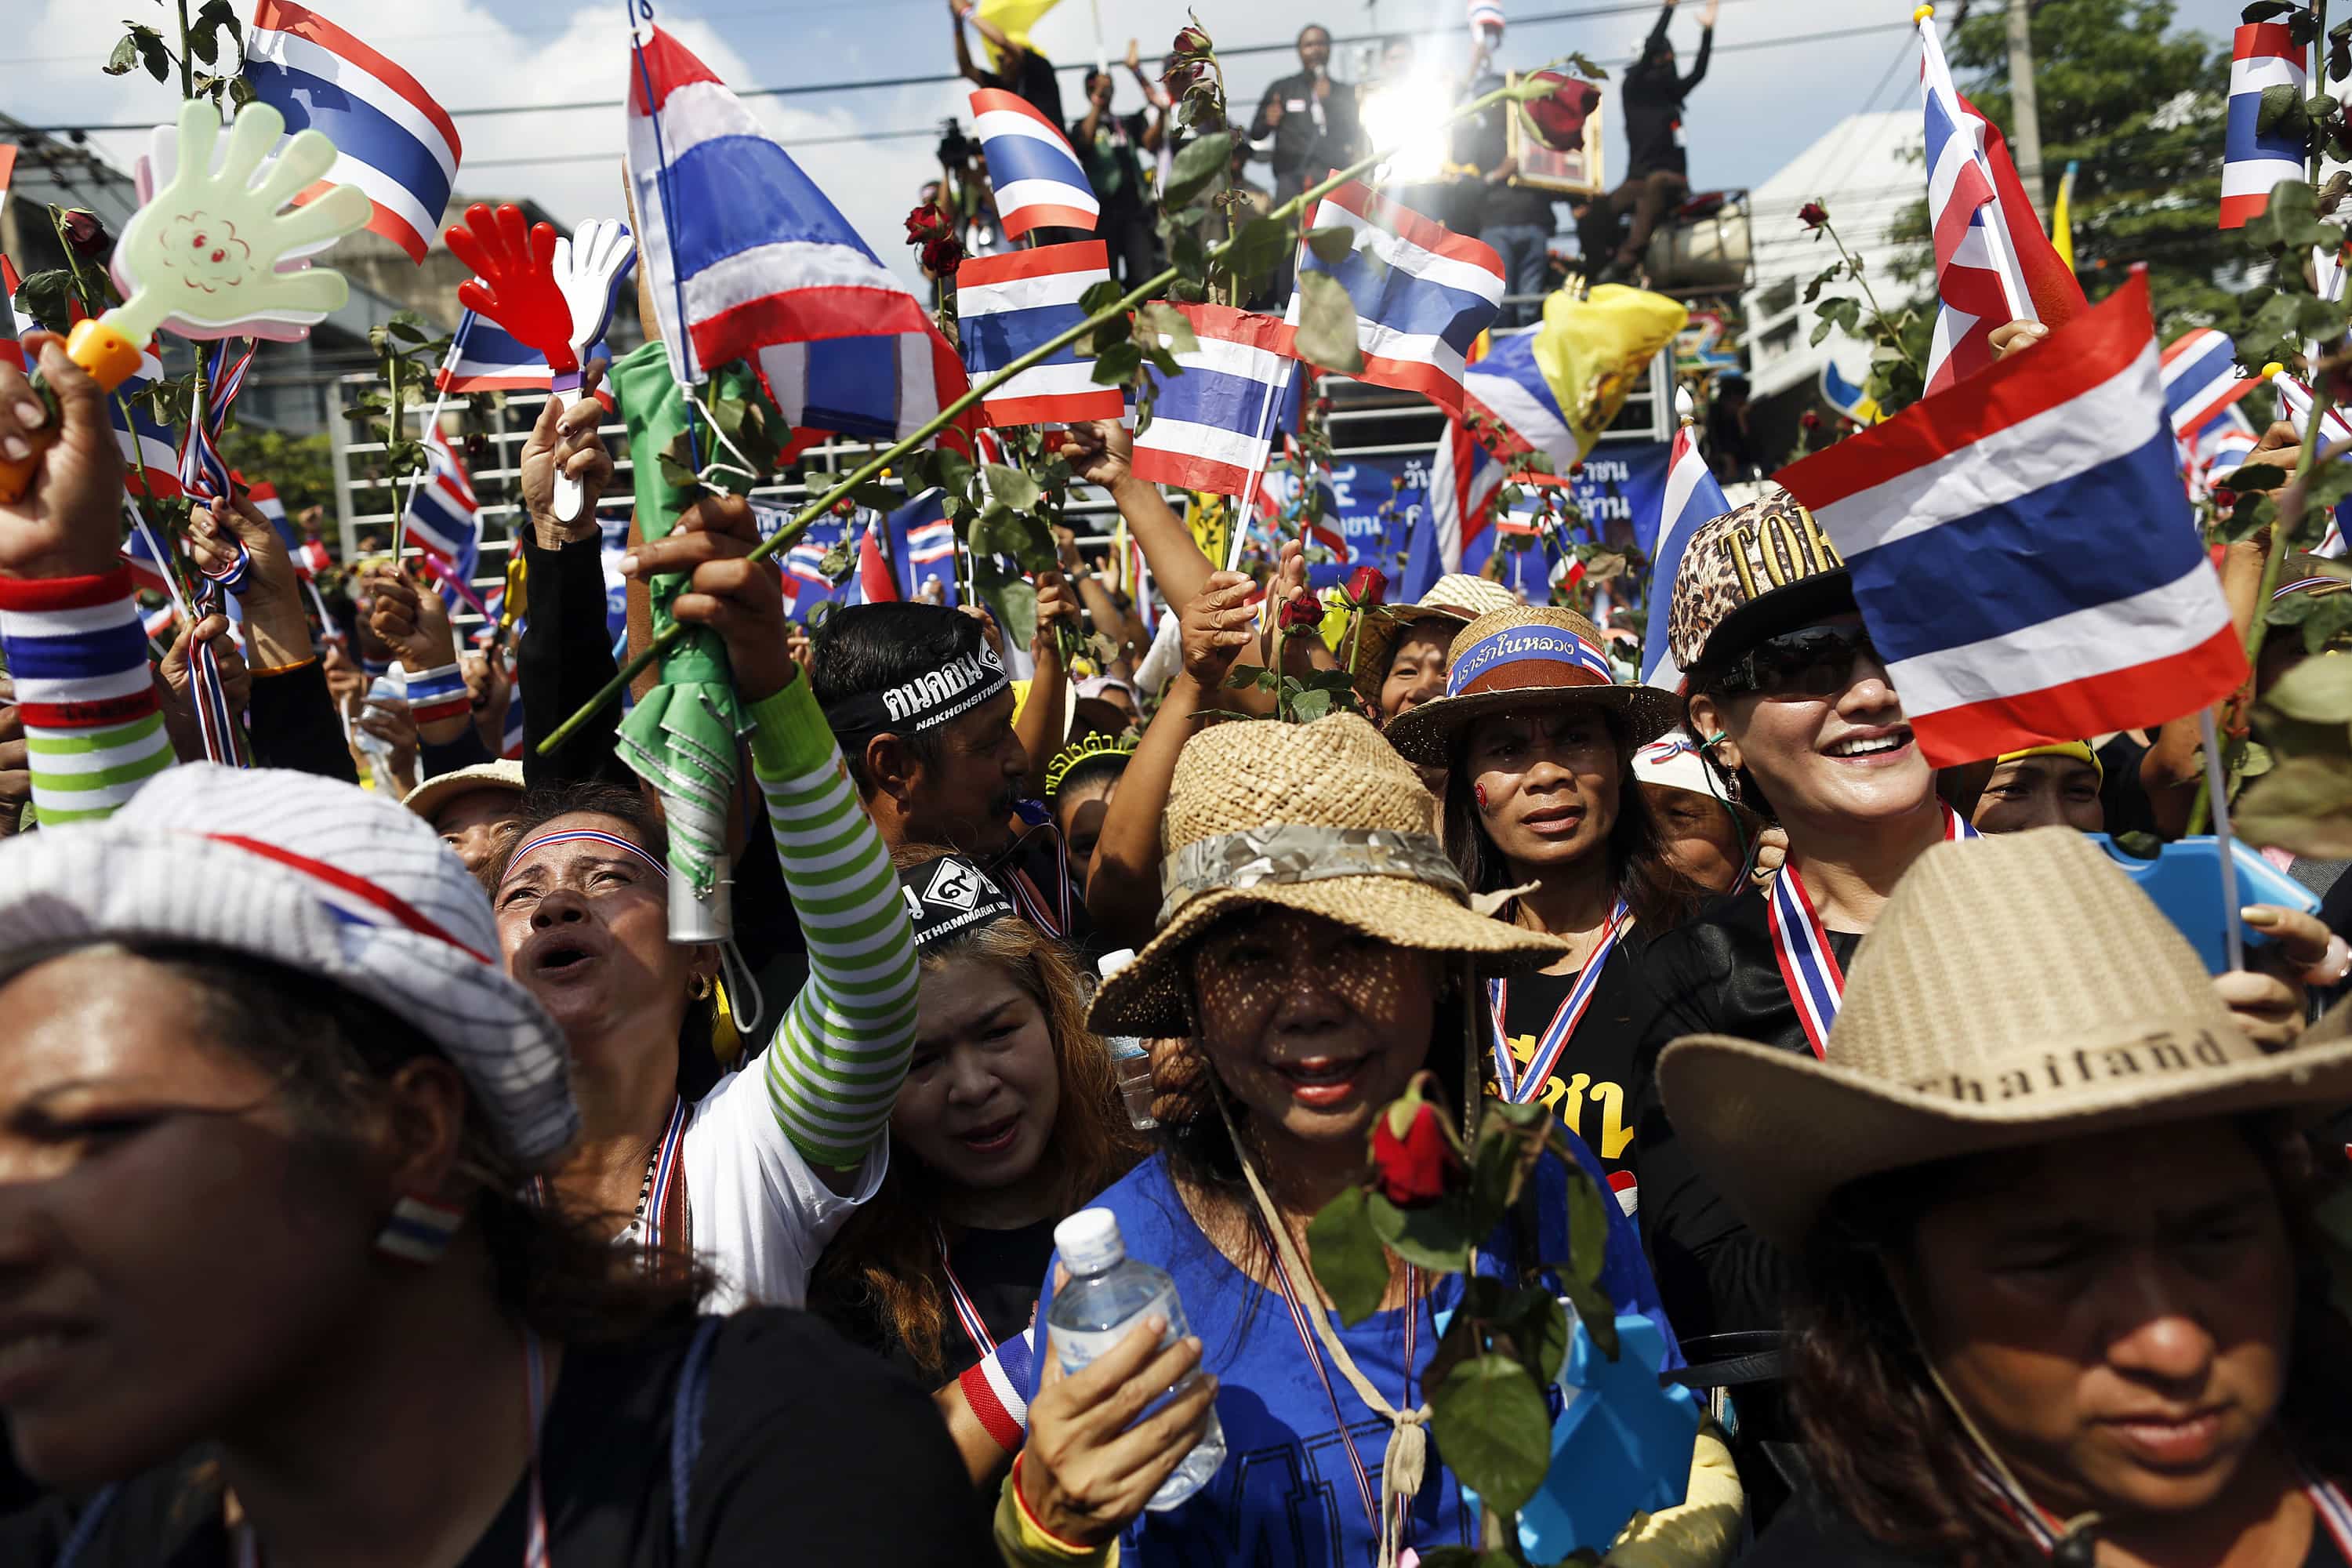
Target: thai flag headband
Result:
[572, 835]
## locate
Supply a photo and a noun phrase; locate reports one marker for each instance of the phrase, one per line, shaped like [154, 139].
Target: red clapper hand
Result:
[514, 285]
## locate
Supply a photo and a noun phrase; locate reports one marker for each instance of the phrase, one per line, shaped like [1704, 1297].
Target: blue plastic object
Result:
[1621, 1445]
[2185, 882]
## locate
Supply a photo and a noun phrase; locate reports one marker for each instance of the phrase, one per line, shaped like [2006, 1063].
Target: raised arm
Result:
[1009, 56]
[93, 731]
[835, 1065]
[1705, 48]
[1041, 722]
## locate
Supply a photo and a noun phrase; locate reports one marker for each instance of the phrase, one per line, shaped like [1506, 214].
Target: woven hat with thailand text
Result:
[1756, 572]
[1455, 599]
[1322, 817]
[1526, 656]
[2017, 990]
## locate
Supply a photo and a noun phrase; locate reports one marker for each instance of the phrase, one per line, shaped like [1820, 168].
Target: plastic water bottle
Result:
[1128, 1059]
[1108, 1294]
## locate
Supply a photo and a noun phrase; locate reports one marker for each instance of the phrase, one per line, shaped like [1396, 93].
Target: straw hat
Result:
[1324, 817]
[2017, 990]
[441, 788]
[1514, 659]
[1456, 598]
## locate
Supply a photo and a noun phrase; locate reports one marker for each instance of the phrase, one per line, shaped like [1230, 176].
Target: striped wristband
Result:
[437, 694]
[93, 731]
[994, 1387]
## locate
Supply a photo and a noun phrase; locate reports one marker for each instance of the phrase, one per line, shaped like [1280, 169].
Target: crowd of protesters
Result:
[385, 1184]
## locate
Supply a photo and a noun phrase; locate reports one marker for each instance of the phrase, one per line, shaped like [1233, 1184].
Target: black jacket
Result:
[1654, 104]
[1303, 150]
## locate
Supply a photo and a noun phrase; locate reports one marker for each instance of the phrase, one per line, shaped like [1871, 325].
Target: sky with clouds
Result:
[1764, 99]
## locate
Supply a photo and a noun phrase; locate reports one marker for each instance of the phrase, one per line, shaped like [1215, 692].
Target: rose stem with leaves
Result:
[1853, 271]
[784, 537]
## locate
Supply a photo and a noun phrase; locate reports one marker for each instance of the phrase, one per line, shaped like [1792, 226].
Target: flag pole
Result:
[2217, 791]
[1274, 390]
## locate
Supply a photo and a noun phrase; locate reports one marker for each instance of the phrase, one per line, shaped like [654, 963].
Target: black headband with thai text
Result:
[925, 702]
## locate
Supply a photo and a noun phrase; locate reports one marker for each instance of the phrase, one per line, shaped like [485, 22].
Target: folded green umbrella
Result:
[682, 737]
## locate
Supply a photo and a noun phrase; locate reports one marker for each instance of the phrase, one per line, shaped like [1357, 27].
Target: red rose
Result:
[86, 236]
[1370, 585]
[2225, 498]
[1812, 215]
[1810, 420]
[1192, 41]
[1306, 610]
[1413, 1166]
[845, 508]
[942, 254]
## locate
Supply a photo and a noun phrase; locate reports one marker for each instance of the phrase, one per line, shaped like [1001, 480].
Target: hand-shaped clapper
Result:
[589, 267]
[203, 257]
[515, 285]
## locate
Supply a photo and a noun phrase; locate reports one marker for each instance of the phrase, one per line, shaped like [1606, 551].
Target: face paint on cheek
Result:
[1479, 793]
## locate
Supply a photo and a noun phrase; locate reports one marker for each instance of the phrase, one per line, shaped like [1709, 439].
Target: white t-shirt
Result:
[761, 1214]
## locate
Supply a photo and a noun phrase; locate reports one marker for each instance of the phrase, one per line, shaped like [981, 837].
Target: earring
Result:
[419, 1230]
[698, 987]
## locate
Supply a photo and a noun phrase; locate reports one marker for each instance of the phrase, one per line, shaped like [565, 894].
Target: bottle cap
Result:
[1110, 963]
[1089, 1241]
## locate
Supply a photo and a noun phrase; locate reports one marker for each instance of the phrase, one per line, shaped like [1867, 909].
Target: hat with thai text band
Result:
[1754, 573]
[1526, 658]
[2018, 989]
[321, 878]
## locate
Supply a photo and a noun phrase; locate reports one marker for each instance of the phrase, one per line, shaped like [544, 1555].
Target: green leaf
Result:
[2258, 477]
[151, 50]
[1013, 602]
[1257, 250]
[1598, 1313]
[240, 92]
[1117, 365]
[1101, 296]
[2318, 690]
[2282, 112]
[125, 56]
[202, 44]
[1490, 1419]
[1432, 1236]
[1588, 1225]
[1198, 162]
[2318, 618]
[1165, 322]
[1333, 245]
[1348, 1261]
[1327, 324]
[1011, 485]
[1544, 1336]
[2304, 805]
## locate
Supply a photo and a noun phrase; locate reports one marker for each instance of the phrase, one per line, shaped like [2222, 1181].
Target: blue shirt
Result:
[1286, 1496]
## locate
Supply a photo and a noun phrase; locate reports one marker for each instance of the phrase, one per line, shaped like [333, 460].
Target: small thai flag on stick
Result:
[1038, 181]
[1213, 427]
[1422, 292]
[1008, 305]
[2201, 379]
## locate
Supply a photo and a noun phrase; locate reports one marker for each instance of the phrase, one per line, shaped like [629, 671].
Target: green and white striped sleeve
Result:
[841, 1048]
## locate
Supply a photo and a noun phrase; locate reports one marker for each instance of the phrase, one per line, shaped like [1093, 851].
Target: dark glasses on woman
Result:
[1812, 662]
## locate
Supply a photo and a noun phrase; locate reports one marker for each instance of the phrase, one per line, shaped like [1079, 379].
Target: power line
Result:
[873, 83]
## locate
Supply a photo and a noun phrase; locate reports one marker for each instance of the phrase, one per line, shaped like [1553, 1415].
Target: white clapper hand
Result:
[204, 252]
[589, 265]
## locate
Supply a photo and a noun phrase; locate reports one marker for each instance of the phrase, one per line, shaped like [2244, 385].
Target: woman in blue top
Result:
[1318, 947]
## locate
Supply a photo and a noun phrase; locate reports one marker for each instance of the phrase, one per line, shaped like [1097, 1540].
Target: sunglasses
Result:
[1812, 662]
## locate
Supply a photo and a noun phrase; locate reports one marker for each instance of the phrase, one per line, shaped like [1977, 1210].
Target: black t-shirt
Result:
[1654, 104]
[1591, 1089]
[1716, 975]
[999, 1270]
[810, 1453]
[1110, 158]
[1034, 81]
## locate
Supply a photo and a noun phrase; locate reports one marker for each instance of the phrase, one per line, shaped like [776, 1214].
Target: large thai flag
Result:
[1509, 387]
[1691, 497]
[443, 515]
[150, 457]
[923, 544]
[1422, 293]
[1037, 179]
[2201, 379]
[1454, 533]
[1008, 305]
[2262, 55]
[484, 357]
[2022, 550]
[1213, 427]
[740, 243]
[395, 143]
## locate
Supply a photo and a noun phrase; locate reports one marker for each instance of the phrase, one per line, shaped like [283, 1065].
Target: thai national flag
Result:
[12, 326]
[1422, 293]
[442, 517]
[2219, 449]
[2022, 550]
[483, 357]
[312, 558]
[1008, 305]
[2262, 55]
[1453, 534]
[1038, 182]
[877, 582]
[1509, 387]
[2201, 379]
[143, 552]
[150, 457]
[1691, 497]
[923, 544]
[2335, 433]
[1979, 285]
[1213, 427]
[736, 237]
[395, 143]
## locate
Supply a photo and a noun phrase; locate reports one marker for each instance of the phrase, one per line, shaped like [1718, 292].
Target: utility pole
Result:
[2027, 110]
